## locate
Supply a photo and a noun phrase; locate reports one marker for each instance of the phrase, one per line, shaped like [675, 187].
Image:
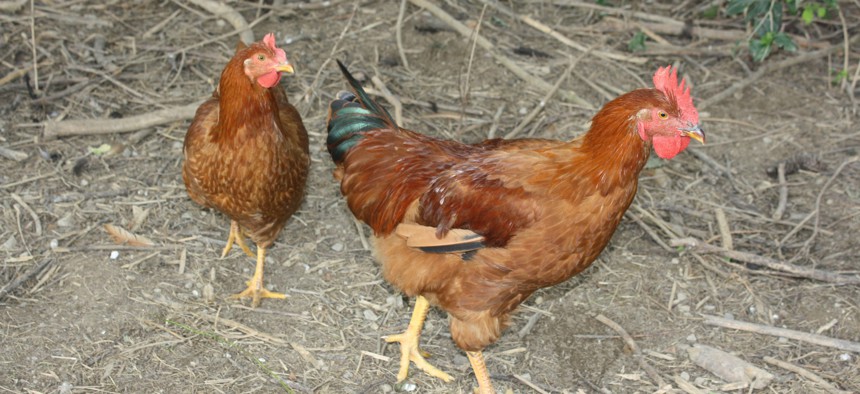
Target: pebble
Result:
[782, 340]
[54, 243]
[684, 308]
[844, 357]
[66, 221]
[675, 261]
[691, 338]
[114, 255]
[685, 376]
[337, 247]
[369, 315]
[195, 293]
[729, 316]
[386, 388]
[700, 381]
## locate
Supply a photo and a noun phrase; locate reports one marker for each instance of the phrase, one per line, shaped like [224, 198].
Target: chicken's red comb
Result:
[666, 81]
[269, 40]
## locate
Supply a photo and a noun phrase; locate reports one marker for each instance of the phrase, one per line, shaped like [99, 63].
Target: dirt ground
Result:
[91, 315]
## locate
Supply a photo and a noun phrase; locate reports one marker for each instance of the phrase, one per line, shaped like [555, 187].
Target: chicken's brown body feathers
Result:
[246, 154]
[546, 209]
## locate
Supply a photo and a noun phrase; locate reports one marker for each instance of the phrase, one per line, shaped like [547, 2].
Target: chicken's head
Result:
[266, 62]
[671, 124]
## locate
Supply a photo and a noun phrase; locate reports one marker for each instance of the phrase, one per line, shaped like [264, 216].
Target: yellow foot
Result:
[236, 236]
[256, 292]
[409, 350]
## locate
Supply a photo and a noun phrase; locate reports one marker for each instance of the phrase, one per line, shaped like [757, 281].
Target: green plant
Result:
[765, 17]
[637, 43]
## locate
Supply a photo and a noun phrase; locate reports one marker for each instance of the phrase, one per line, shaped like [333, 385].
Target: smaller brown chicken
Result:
[246, 153]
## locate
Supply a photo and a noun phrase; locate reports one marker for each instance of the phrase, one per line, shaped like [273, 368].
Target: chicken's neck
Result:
[612, 153]
[245, 107]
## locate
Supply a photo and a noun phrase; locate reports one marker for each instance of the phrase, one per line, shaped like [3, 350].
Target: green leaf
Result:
[792, 6]
[840, 76]
[637, 43]
[711, 13]
[104, 148]
[759, 49]
[822, 12]
[736, 7]
[807, 15]
[783, 41]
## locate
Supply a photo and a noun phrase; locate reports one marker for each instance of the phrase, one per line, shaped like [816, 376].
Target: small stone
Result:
[337, 247]
[114, 255]
[523, 110]
[386, 388]
[408, 387]
[369, 315]
[782, 340]
[699, 381]
[66, 221]
[54, 243]
[195, 293]
[710, 307]
[675, 261]
[684, 308]
[681, 297]
[691, 338]
[10, 243]
[84, 182]
[262, 360]
[844, 357]
[685, 376]
[729, 316]
[539, 300]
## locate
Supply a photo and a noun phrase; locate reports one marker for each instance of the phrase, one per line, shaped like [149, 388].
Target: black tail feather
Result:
[352, 114]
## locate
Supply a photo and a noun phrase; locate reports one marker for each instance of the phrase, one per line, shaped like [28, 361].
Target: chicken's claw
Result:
[409, 350]
[236, 236]
[255, 290]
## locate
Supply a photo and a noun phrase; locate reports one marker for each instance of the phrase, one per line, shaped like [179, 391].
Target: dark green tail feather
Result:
[348, 119]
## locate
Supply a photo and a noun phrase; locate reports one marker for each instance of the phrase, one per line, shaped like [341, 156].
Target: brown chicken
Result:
[476, 229]
[246, 153]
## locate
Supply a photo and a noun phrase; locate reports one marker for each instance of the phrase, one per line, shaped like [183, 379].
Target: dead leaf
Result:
[138, 216]
[123, 236]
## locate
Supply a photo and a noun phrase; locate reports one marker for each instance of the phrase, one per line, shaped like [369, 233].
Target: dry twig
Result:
[803, 272]
[17, 282]
[490, 47]
[230, 15]
[805, 373]
[12, 154]
[658, 380]
[68, 128]
[816, 339]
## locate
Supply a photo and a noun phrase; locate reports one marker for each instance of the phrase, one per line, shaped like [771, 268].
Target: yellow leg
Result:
[481, 373]
[409, 344]
[236, 236]
[255, 289]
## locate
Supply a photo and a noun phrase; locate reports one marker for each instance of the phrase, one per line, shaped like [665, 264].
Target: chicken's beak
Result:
[695, 132]
[285, 68]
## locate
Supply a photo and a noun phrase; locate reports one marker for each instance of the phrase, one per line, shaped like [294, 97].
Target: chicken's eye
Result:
[663, 115]
[261, 57]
